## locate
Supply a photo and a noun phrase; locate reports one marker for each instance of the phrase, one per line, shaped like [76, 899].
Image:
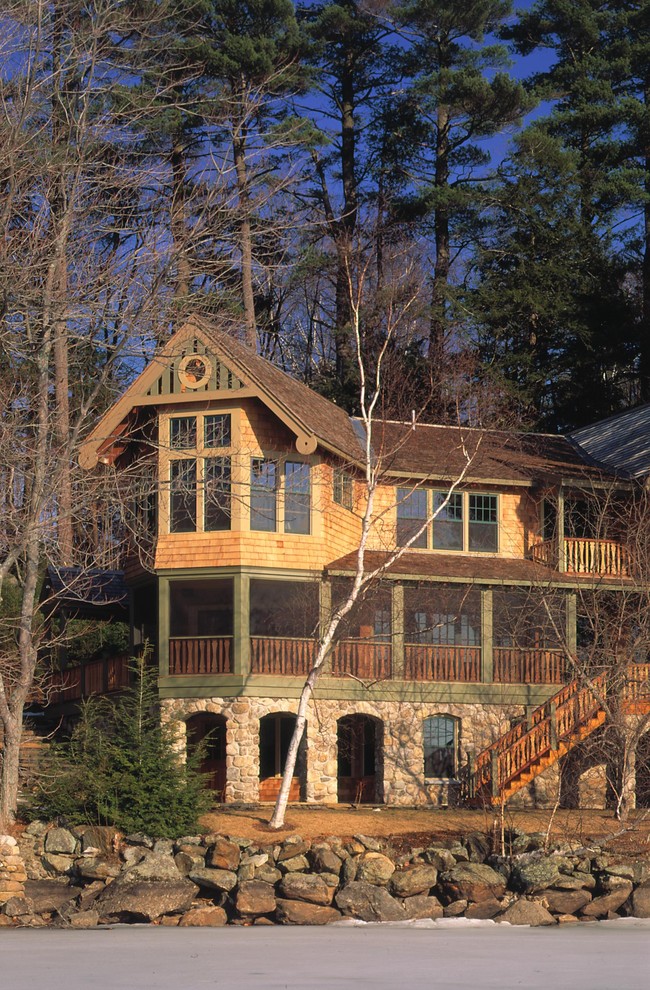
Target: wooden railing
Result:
[200, 655]
[96, 677]
[282, 655]
[553, 722]
[637, 683]
[528, 666]
[581, 556]
[362, 658]
[436, 662]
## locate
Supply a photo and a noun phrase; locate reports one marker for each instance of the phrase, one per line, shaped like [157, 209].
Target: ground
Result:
[418, 827]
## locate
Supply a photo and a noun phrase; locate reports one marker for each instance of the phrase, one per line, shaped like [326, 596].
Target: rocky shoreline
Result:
[87, 876]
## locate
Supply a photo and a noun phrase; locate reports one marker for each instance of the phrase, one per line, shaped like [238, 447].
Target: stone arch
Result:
[208, 730]
[643, 771]
[360, 758]
[275, 731]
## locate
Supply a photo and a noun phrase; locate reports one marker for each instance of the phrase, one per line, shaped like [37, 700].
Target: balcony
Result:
[97, 677]
[606, 558]
[200, 655]
[285, 656]
[363, 658]
[428, 662]
[529, 666]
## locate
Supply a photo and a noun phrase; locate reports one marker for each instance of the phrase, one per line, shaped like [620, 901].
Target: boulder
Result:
[639, 905]
[268, 874]
[523, 912]
[413, 880]
[17, 907]
[144, 900]
[295, 845]
[84, 919]
[324, 860]
[204, 917]
[296, 864]
[367, 841]
[455, 909]
[528, 878]
[349, 872]
[442, 859]
[421, 906]
[255, 897]
[211, 879]
[96, 868]
[600, 907]
[99, 837]
[484, 910]
[577, 881]
[139, 839]
[60, 840]
[308, 887]
[154, 866]
[132, 855]
[478, 847]
[223, 855]
[375, 868]
[472, 882]
[57, 864]
[369, 902]
[291, 912]
[565, 901]
[48, 896]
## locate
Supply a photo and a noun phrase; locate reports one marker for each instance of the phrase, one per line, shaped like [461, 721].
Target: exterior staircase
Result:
[556, 727]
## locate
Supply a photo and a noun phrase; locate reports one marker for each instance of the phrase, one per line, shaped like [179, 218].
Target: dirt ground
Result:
[417, 827]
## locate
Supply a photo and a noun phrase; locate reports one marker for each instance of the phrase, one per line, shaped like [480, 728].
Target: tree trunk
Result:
[442, 256]
[177, 218]
[346, 231]
[9, 779]
[245, 232]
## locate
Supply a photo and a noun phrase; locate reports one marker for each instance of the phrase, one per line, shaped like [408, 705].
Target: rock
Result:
[268, 874]
[256, 861]
[478, 847]
[566, 919]
[639, 906]
[170, 921]
[295, 845]
[59, 840]
[601, 906]
[523, 912]
[414, 880]
[96, 868]
[290, 912]
[625, 870]
[528, 878]
[223, 855]
[489, 908]
[369, 902]
[373, 845]
[349, 872]
[144, 900]
[57, 864]
[99, 837]
[455, 909]
[294, 865]
[84, 919]
[565, 901]
[6, 922]
[154, 866]
[442, 859]
[306, 887]
[255, 897]
[246, 872]
[204, 917]
[472, 882]
[324, 860]
[211, 879]
[577, 881]
[375, 868]
[421, 906]
[139, 839]
[17, 907]
[132, 855]
[459, 853]
[89, 894]
[48, 896]
[186, 863]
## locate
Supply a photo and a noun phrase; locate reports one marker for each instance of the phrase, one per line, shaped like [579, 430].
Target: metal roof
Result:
[621, 442]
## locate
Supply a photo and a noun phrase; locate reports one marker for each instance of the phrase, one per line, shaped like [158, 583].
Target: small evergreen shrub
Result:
[120, 768]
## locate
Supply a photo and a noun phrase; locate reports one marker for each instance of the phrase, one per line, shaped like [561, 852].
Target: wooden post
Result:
[397, 623]
[494, 773]
[325, 613]
[552, 714]
[571, 623]
[561, 559]
[487, 637]
[163, 627]
[241, 662]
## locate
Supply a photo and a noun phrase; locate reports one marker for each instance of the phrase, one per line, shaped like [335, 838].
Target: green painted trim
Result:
[324, 616]
[397, 623]
[287, 574]
[487, 636]
[163, 627]
[241, 626]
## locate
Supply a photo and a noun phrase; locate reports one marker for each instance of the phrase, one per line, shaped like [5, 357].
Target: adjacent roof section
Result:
[621, 443]
[86, 592]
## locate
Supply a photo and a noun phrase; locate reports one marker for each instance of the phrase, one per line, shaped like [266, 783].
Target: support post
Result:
[325, 614]
[552, 714]
[241, 625]
[397, 623]
[163, 627]
[487, 637]
[561, 554]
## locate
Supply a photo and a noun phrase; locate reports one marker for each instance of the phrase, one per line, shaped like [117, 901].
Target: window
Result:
[263, 494]
[343, 494]
[440, 739]
[296, 497]
[442, 615]
[216, 431]
[483, 523]
[182, 496]
[182, 433]
[201, 608]
[216, 493]
[411, 516]
[448, 523]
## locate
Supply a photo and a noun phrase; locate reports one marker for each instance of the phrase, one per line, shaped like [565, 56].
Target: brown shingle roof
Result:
[452, 566]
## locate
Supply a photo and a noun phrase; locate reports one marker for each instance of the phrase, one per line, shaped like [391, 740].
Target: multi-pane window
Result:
[411, 517]
[448, 521]
[182, 496]
[216, 430]
[264, 494]
[216, 493]
[343, 494]
[440, 743]
[483, 530]
[182, 432]
[296, 497]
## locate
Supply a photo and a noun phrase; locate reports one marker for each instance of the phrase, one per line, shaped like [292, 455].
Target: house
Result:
[451, 680]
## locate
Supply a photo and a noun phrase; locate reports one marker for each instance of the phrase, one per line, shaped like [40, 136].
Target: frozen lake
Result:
[606, 956]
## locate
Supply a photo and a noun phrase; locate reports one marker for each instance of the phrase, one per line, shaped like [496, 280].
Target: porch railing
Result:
[529, 666]
[200, 655]
[97, 677]
[436, 662]
[282, 655]
[362, 658]
[581, 556]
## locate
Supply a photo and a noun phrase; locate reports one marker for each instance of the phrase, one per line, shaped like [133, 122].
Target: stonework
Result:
[399, 756]
[12, 870]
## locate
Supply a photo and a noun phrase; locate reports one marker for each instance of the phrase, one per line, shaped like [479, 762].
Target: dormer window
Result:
[200, 486]
[182, 433]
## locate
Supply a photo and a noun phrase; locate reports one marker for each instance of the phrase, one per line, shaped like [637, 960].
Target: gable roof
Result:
[620, 443]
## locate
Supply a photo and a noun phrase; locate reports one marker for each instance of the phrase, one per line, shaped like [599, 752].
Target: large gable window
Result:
[182, 433]
[200, 486]
[216, 431]
[182, 496]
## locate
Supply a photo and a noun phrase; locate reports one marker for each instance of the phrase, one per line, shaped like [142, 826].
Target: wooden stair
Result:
[528, 749]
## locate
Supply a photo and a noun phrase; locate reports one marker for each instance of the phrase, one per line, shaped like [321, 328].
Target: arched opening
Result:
[209, 730]
[360, 742]
[643, 772]
[276, 730]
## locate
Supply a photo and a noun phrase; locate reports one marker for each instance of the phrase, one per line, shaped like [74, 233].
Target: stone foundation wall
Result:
[12, 869]
[400, 768]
